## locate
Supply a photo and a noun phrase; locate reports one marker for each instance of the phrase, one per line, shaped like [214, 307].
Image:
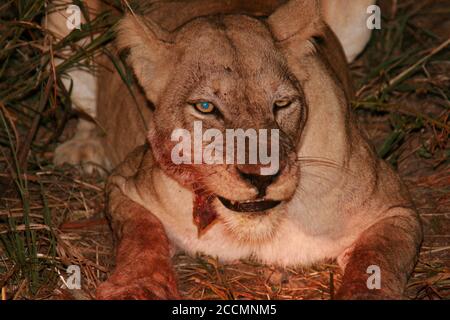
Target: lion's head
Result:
[233, 72]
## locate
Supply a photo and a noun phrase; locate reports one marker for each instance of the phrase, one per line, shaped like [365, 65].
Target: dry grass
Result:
[53, 217]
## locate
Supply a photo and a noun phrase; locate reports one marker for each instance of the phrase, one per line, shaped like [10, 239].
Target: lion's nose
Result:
[261, 182]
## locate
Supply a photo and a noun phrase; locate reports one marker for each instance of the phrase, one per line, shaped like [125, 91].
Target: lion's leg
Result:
[391, 245]
[143, 259]
[85, 148]
[143, 266]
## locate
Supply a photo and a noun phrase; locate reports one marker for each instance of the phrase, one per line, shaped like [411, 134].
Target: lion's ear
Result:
[150, 53]
[347, 19]
[299, 29]
[299, 18]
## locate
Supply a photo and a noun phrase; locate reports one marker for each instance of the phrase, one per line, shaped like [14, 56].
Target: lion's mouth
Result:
[258, 205]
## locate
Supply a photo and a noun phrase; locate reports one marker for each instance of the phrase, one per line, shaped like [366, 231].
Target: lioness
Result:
[249, 65]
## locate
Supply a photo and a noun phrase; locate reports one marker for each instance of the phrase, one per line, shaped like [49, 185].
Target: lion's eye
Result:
[282, 103]
[204, 107]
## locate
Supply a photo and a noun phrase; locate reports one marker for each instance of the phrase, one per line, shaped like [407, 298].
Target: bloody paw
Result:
[154, 287]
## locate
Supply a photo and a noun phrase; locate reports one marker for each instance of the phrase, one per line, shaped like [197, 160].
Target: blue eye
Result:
[205, 107]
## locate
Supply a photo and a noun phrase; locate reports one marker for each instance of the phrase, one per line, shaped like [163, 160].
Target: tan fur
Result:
[338, 199]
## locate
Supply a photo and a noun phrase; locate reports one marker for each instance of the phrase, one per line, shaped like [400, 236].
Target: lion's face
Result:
[232, 64]
[226, 72]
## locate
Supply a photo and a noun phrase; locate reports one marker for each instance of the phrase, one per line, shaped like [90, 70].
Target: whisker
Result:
[323, 162]
[315, 175]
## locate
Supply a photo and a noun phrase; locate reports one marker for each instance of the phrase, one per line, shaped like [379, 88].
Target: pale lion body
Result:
[346, 206]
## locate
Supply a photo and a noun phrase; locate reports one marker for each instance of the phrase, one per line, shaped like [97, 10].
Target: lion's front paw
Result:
[88, 153]
[137, 289]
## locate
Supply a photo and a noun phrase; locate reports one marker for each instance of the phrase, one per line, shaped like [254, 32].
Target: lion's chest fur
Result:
[307, 232]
